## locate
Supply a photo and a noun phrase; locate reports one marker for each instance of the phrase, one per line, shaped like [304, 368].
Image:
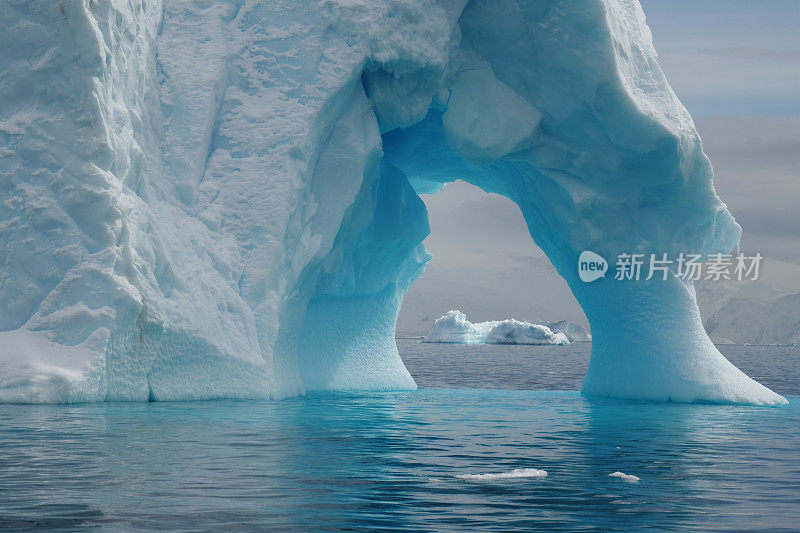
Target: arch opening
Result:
[484, 264]
[636, 352]
[597, 153]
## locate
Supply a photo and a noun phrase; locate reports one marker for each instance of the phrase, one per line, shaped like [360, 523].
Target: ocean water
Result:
[416, 460]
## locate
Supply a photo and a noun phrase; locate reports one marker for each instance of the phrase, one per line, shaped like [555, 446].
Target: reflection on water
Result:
[391, 460]
[332, 461]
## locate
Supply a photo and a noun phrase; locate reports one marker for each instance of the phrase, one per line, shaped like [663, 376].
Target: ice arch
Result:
[221, 199]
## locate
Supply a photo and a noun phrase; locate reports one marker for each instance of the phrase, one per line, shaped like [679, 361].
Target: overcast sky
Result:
[735, 64]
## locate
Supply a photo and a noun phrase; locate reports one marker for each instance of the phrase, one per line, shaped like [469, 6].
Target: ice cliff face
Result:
[220, 199]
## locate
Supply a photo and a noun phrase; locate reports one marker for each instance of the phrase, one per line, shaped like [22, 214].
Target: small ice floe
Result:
[516, 473]
[625, 477]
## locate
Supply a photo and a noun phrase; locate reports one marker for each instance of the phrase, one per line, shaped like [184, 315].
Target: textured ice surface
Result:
[513, 331]
[455, 328]
[220, 199]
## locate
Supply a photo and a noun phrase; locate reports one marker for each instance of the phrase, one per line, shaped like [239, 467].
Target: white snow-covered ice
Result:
[454, 327]
[517, 473]
[574, 332]
[625, 477]
[512, 331]
[221, 199]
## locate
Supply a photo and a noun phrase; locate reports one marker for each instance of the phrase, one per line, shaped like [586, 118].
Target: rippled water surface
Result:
[411, 460]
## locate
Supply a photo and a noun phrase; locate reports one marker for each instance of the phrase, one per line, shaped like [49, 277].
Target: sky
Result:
[735, 64]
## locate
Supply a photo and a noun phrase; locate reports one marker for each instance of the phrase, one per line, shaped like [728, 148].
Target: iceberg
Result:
[513, 331]
[574, 332]
[221, 199]
[454, 327]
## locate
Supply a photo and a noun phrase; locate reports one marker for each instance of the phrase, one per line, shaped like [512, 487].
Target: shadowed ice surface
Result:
[392, 460]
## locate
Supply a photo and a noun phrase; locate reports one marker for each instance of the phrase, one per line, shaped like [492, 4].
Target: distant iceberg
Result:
[574, 332]
[454, 327]
[513, 331]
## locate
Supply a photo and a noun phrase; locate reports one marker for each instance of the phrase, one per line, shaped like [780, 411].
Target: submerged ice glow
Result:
[222, 200]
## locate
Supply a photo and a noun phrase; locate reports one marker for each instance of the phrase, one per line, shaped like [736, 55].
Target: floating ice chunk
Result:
[454, 327]
[514, 474]
[625, 477]
[515, 332]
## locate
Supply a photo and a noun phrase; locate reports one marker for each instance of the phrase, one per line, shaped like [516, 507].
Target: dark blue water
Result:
[392, 460]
